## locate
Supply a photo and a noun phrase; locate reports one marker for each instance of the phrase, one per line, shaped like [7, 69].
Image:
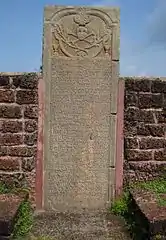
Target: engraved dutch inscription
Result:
[81, 80]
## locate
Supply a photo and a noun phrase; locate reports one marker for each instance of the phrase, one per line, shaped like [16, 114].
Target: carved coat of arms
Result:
[81, 34]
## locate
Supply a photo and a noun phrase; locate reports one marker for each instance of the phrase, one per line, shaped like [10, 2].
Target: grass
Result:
[123, 207]
[120, 206]
[24, 221]
[4, 189]
[156, 186]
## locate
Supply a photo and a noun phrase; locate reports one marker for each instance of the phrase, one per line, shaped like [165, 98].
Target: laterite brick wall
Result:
[18, 129]
[145, 128]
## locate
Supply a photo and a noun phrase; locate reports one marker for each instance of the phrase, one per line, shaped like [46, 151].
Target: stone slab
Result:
[81, 226]
[81, 80]
[9, 205]
[151, 211]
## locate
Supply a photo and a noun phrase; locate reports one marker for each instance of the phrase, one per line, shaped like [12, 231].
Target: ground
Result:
[79, 226]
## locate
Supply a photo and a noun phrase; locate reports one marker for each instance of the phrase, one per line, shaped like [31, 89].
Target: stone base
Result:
[85, 225]
[9, 205]
[149, 215]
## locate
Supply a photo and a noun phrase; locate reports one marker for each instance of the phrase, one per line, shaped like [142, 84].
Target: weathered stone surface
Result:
[9, 205]
[30, 139]
[145, 100]
[30, 125]
[150, 100]
[4, 80]
[31, 112]
[158, 86]
[86, 225]
[135, 171]
[26, 97]
[137, 85]
[13, 180]
[152, 143]
[28, 164]
[22, 151]
[161, 117]
[150, 212]
[132, 114]
[26, 81]
[6, 96]
[160, 155]
[131, 143]
[138, 155]
[131, 99]
[146, 116]
[153, 130]
[11, 139]
[81, 94]
[130, 128]
[10, 111]
[12, 126]
[9, 164]
[3, 151]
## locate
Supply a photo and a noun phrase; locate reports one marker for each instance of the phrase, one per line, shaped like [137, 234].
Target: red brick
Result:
[30, 126]
[142, 129]
[26, 97]
[22, 151]
[132, 114]
[13, 180]
[147, 167]
[11, 139]
[11, 126]
[150, 130]
[131, 99]
[158, 86]
[4, 80]
[138, 155]
[9, 164]
[161, 117]
[26, 81]
[3, 151]
[143, 85]
[28, 164]
[6, 96]
[30, 139]
[146, 116]
[145, 100]
[130, 128]
[151, 143]
[10, 111]
[150, 100]
[157, 130]
[131, 143]
[31, 112]
[160, 155]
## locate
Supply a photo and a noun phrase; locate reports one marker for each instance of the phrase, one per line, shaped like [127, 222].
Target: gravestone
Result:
[81, 71]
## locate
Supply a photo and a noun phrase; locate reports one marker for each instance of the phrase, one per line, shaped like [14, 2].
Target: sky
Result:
[142, 36]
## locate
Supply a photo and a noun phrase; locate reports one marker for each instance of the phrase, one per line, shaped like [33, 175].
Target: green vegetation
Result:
[120, 206]
[24, 221]
[156, 186]
[4, 188]
[123, 207]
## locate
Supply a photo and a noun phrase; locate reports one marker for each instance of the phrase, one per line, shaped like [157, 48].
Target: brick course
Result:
[144, 129]
[18, 129]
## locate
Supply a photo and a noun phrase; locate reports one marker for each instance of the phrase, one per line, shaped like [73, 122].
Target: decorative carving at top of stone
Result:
[81, 32]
